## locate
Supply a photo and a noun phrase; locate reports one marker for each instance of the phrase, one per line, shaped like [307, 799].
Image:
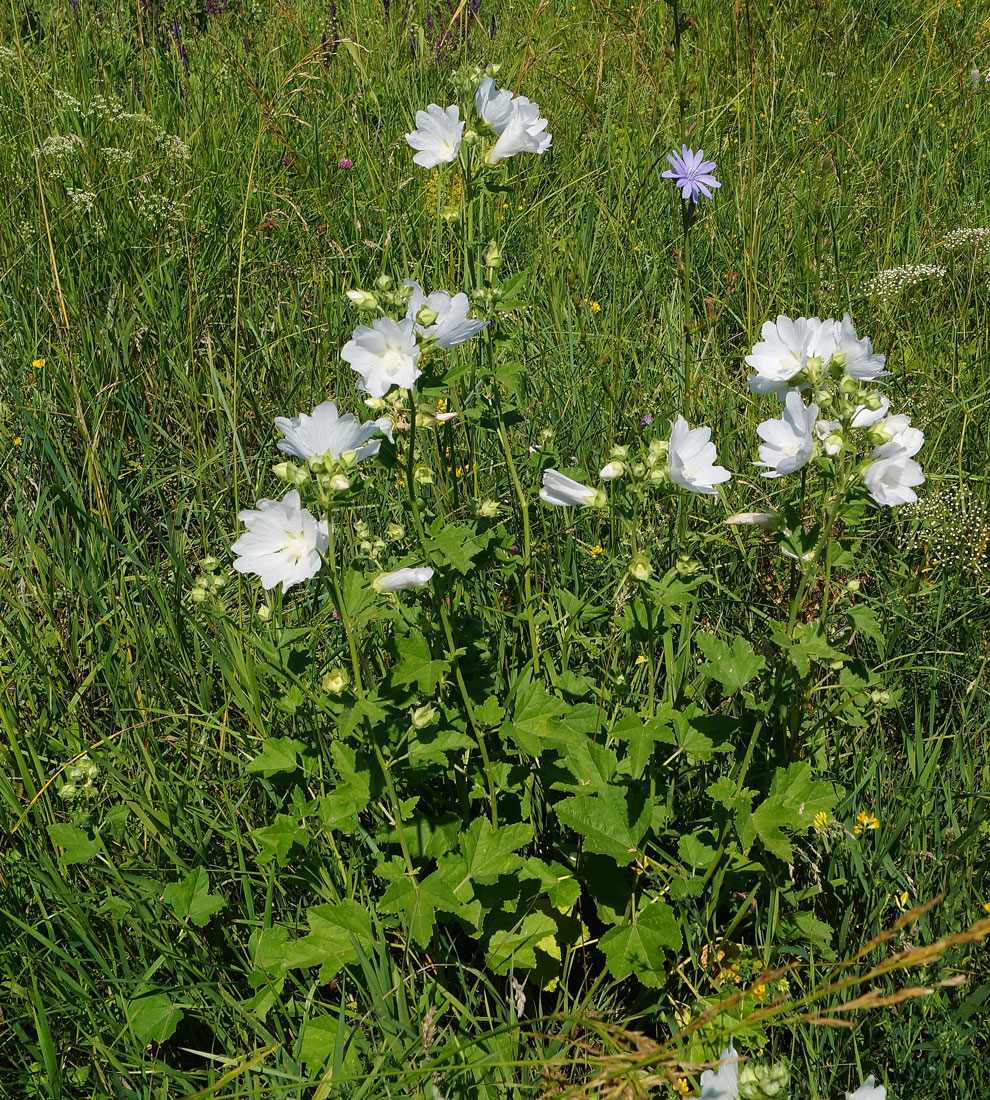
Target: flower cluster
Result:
[829, 360]
[731, 1081]
[977, 239]
[513, 121]
[894, 282]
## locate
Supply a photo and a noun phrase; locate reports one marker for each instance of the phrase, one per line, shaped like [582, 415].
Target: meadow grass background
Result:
[183, 293]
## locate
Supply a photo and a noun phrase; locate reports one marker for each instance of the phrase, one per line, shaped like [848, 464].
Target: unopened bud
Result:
[640, 568]
[768, 520]
[198, 595]
[363, 300]
[612, 470]
[335, 682]
[290, 472]
[488, 509]
[423, 475]
[493, 256]
[264, 613]
[395, 531]
[383, 282]
[426, 316]
[853, 585]
[340, 483]
[424, 716]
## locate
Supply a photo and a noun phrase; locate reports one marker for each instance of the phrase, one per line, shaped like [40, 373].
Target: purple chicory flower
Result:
[692, 173]
[646, 420]
[345, 162]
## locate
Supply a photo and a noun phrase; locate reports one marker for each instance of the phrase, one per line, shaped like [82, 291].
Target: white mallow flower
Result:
[897, 428]
[691, 459]
[384, 355]
[891, 476]
[723, 1083]
[865, 417]
[564, 492]
[789, 440]
[862, 362]
[437, 136]
[452, 325]
[785, 350]
[409, 577]
[493, 104]
[284, 543]
[829, 434]
[524, 132]
[326, 432]
[868, 1090]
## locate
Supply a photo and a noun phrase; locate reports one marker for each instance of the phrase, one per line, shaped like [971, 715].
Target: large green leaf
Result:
[416, 663]
[416, 901]
[76, 844]
[153, 1017]
[490, 852]
[192, 898]
[612, 821]
[733, 666]
[639, 947]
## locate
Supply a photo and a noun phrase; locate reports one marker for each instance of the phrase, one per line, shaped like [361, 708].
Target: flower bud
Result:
[640, 568]
[493, 256]
[383, 282]
[424, 716]
[599, 500]
[395, 531]
[853, 585]
[340, 483]
[469, 136]
[426, 316]
[290, 472]
[833, 443]
[68, 791]
[619, 451]
[264, 613]
[612, 470]
[335, 682]
[768, 520]
[375, 403]
[423, 475]
[209, 563]
[363, 300]
[657, 474]
[849, 386]
[198, 595]
[488, 509]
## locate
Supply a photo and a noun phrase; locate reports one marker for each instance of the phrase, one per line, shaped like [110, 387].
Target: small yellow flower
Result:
[640, 660]
[460, 471]
[865, 821]
[681, 1086]
[596, 551]
[901, 900]
[17, 441]
[760, 992]
[986, 905]
[595, 307]
[821, 819]
[442, 405]
[38, 364]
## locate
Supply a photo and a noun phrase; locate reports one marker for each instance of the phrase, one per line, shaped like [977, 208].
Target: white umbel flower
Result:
[691, 459]
[723, 1083]
[524, 132]
[326, 432]
[785, 350]
[891, 476]
[564, 492]
[284, 543]
[437, 136]
[868, 1090]
[399, 579]
[384, 355]
[452, 325]
[862, 363]
[790, 439]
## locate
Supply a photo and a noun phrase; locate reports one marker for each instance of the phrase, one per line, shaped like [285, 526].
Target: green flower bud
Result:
[264, 613]
[422, 475]
[493, 256]
[198, 595]
[340, 483]
[290, 472]
[488, 509]
[335, 682]
[424, 716]
[383, 282]
[363, 300]
[426, 316]
[395, 531]
[640, 568]
[209, 563]
[68, 791]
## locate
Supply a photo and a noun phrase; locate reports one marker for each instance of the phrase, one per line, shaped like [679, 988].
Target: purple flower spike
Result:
[692, 173]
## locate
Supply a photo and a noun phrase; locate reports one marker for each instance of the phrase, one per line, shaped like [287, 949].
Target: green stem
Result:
[348, 626]
[442, 609]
